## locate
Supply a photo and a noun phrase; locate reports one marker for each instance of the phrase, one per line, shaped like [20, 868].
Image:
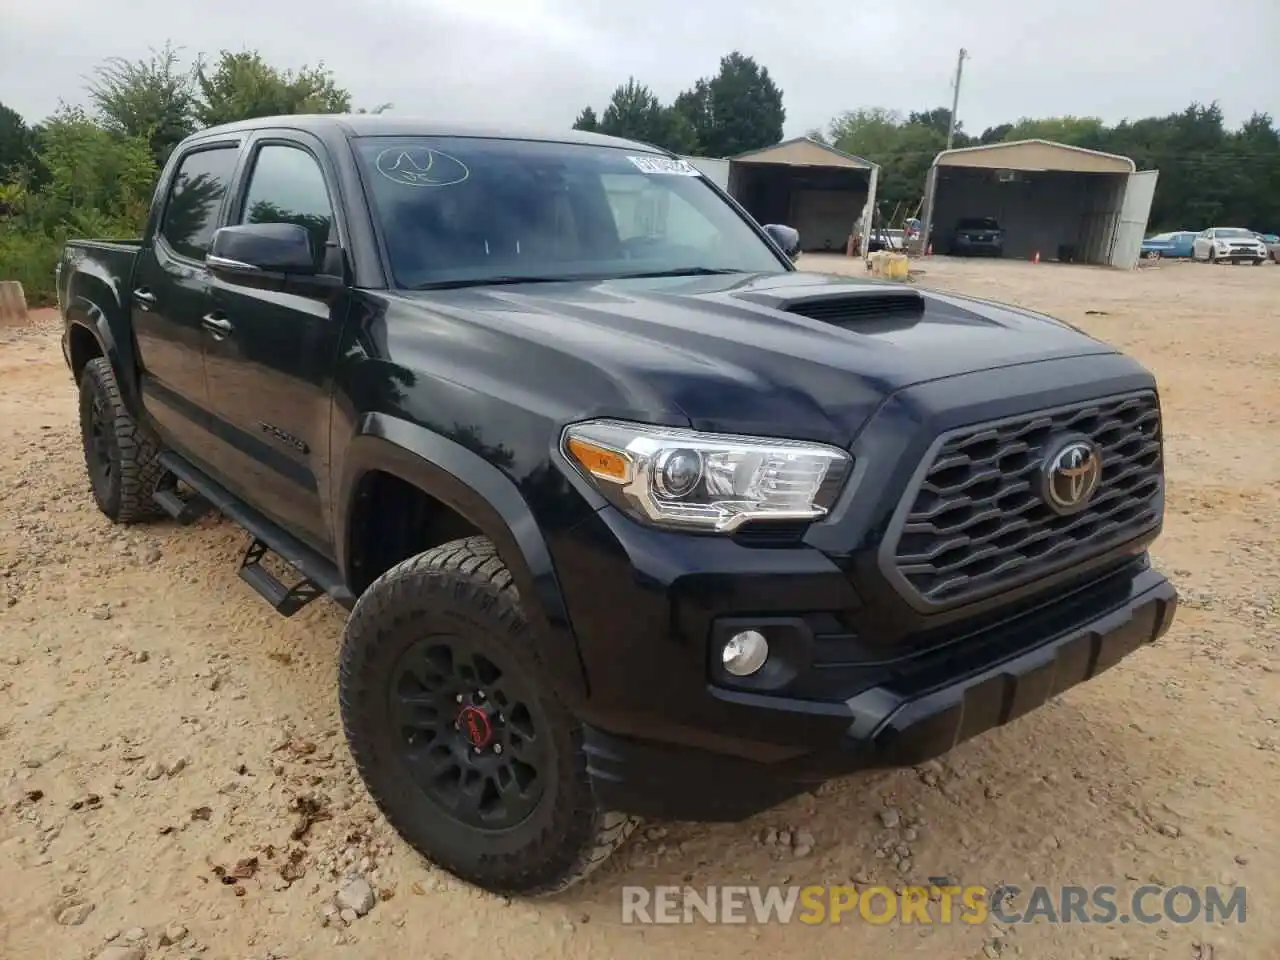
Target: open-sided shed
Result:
[1060, 201]
[824, 193]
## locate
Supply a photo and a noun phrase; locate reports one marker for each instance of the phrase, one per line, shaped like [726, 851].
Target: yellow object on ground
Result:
[891, 266]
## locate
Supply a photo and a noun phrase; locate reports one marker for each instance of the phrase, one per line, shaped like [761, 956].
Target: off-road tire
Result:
[463, 589]
[124, 490]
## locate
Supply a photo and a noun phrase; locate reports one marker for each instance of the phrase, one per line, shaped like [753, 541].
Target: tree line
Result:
[1209, 173]
[90, 170]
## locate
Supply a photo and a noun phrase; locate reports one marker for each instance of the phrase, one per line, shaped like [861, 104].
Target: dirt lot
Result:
[159, 724]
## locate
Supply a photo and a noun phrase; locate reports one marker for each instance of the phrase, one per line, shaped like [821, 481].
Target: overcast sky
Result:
[540, 61]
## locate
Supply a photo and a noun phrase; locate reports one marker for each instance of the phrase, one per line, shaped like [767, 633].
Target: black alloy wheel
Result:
[468, 735]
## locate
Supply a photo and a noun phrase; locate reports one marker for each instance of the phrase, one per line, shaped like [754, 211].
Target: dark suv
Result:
[633, 518]
[977, 237]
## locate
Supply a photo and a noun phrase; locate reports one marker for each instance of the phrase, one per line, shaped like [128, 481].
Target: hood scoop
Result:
[847, 309]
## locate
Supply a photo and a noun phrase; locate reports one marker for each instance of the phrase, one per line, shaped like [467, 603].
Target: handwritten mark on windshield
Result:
[421, 167]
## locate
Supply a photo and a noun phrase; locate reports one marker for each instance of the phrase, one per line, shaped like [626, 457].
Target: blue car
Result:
[1175, 244]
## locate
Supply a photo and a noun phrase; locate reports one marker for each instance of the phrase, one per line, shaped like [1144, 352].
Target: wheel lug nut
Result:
[458, 698]
[497, 748]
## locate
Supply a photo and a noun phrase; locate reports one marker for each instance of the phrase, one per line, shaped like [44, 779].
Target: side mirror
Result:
[251, 250]
[788, 238]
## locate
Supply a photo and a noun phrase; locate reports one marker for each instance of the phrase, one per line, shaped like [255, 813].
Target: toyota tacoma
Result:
[632, 517]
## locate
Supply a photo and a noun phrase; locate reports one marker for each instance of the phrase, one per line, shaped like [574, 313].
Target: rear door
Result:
[270, 371]
[170, 291]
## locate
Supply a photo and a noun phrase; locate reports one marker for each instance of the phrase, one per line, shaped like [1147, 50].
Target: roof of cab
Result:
[382, 125]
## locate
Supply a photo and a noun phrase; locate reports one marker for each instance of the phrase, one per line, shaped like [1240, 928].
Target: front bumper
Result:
[1241, 254]
[884, 726]
[970, 248]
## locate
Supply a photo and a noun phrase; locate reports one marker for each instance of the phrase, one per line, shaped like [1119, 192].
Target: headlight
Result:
[705, 481]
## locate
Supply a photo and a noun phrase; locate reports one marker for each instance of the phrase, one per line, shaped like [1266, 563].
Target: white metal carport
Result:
[1054, 199]
[824, 193]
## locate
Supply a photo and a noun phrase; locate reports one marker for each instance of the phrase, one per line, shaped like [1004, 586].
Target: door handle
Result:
[218, 326]
[144, 298]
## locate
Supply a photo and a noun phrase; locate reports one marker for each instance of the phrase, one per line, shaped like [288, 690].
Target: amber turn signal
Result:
[600, 461]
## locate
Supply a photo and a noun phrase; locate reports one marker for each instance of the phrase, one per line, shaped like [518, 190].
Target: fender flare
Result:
[84, 310]
[491, 502]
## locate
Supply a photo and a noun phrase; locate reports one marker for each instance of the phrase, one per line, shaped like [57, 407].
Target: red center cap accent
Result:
[474, 722]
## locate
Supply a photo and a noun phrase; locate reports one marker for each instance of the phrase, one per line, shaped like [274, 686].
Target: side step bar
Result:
[320, 575]
[185, 510]
[286, 601]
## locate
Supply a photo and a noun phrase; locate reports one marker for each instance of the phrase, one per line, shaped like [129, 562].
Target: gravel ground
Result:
[173, 782]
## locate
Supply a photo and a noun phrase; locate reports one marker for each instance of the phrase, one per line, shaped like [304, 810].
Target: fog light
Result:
[745, 653]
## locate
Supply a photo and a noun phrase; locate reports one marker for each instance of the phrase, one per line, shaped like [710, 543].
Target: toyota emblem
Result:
[1072, 472]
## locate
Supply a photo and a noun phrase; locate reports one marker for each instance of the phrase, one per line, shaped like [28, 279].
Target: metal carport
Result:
[1054, 199]
[824, 193]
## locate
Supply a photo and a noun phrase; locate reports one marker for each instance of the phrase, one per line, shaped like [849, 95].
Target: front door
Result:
[169, 296]
[270, 366]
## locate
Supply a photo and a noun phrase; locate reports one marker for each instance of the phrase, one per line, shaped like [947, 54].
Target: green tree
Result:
[587, 120]
[635, 112]
[1088, 132]
[241, 86]
[1208, 173]
[738, 110]
[17, 144]
[904, 149]
[151, 98]
[97, 183]
[95, 176]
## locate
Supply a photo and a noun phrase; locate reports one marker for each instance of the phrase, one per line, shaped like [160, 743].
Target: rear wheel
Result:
[461, 743]
[121, 458]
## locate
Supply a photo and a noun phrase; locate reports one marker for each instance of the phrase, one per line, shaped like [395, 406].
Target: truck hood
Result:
[810, 355]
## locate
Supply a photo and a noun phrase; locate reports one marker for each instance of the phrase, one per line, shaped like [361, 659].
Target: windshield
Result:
[979, 223]
[459, 210]
[1232, 232]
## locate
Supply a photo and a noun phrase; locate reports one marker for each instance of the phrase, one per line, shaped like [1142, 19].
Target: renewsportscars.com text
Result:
[936, 904]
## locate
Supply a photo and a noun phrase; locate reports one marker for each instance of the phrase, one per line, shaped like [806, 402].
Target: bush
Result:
[30, 258]
[97, 184]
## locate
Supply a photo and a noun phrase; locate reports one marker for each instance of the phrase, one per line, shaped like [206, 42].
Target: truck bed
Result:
[97, 260]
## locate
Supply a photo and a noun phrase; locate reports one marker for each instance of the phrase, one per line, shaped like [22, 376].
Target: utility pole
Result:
[955, 97]
[931, 184]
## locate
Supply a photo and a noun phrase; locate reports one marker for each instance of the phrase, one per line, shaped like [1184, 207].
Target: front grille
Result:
[978, 523]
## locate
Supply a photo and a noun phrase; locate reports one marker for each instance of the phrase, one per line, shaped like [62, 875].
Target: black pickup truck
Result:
[633, 518]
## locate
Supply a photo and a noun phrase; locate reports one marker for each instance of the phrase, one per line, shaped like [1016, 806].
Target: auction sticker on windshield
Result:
[669, 165]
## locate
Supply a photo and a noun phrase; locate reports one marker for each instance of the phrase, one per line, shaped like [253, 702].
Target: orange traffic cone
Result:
[1036, 257]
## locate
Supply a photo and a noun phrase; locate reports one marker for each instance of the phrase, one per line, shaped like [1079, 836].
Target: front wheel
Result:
[122, 460]
[461, 742]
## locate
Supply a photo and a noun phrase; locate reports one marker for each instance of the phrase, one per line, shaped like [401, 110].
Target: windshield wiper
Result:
[682, 272]
[488, 282]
